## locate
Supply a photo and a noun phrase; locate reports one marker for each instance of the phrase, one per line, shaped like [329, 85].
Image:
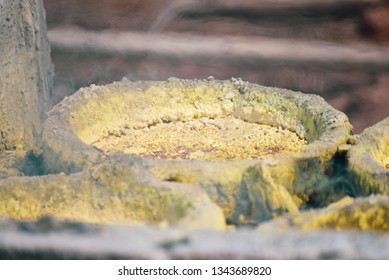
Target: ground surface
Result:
[227, 138]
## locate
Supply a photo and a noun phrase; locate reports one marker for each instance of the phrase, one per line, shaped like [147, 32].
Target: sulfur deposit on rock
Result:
[369, 160]
[165, 167]
[224, 138]
[26, 74]
[365, 214]
[118, 191]
[262, 198]
[198, 132]
[10, 164]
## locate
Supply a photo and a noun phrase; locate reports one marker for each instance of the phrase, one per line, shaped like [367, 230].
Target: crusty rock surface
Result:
[362, 214]
[52, 239]
[118, 191]
[26, 74]
[79, 122]
[369, 160]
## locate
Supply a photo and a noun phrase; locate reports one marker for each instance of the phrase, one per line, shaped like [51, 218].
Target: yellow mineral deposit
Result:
[381, 152]
[364, 213]
[369, 160]
[224, 138]
[195, 135]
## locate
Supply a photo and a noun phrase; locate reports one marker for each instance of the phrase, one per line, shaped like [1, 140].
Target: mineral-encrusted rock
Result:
[363, 214]
[369, 160]
[100, 121]
[26, 74]
[118, 191]
[10, 164]
[262, 198]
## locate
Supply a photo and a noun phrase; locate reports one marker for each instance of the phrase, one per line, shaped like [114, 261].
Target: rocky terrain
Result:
[67, 190]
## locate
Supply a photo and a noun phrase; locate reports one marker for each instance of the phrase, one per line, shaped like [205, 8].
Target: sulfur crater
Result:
[223, 138]
[256, 151]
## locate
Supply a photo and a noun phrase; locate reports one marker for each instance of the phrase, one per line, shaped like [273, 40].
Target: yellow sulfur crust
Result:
[225, 138]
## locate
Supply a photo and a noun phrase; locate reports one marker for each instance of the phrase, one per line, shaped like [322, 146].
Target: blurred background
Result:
[338, 49]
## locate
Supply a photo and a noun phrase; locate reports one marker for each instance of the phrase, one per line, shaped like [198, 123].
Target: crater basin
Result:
[232, 138]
